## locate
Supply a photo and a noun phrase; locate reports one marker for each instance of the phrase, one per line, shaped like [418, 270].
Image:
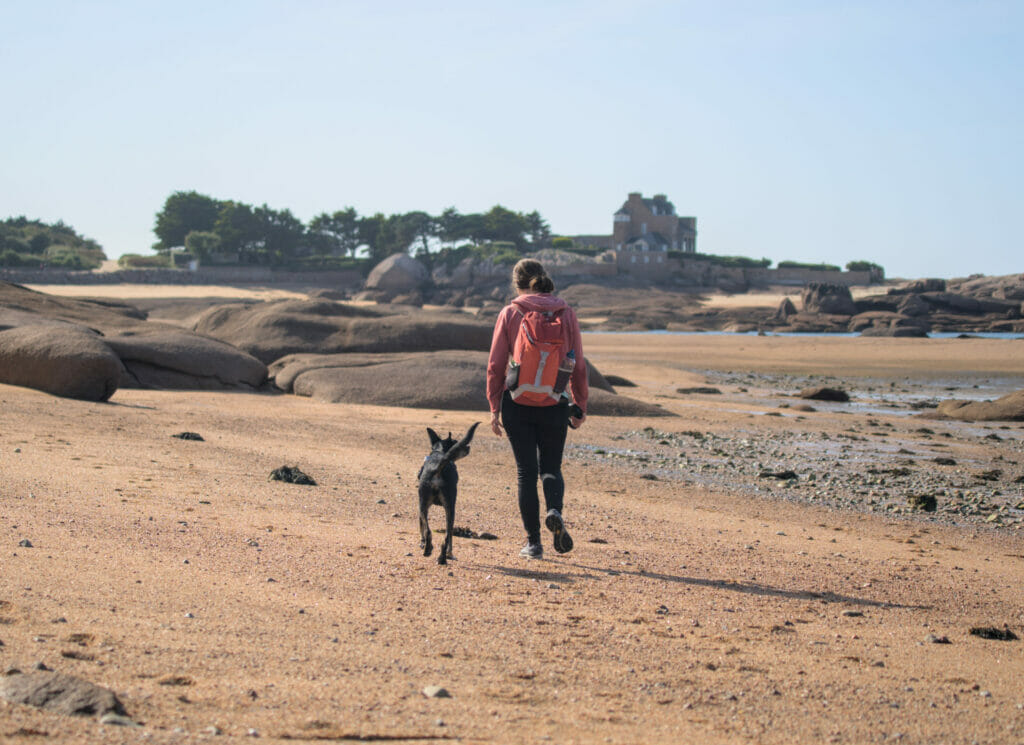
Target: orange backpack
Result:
[536, 356]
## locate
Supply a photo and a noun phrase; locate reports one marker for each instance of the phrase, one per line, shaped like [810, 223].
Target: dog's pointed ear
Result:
[434, 439]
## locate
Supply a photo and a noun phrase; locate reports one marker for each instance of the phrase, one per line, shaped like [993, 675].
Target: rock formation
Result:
[63, 360]
[399, 272]
[1008, 408]
[170, 358]
[269, 331]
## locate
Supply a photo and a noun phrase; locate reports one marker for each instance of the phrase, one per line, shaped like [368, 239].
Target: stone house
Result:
[643, 232]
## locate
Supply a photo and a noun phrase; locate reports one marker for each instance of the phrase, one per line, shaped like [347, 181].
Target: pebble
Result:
[436, 692]
[189, 615]
[25, 543]
[252, 732]
[117, 720]
[213, 730]
[853, 613]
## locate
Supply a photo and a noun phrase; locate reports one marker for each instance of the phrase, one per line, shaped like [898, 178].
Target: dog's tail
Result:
[454, 449]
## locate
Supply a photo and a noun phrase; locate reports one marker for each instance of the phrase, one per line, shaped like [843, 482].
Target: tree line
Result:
[219, 231]
[35, 244]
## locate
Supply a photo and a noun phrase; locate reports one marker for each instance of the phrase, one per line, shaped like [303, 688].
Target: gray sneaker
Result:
[532, 551]
[554, 523]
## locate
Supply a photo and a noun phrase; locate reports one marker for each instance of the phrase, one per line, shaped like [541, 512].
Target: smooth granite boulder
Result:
[62, 359]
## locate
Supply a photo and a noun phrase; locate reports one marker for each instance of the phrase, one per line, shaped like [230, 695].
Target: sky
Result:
[826, 131]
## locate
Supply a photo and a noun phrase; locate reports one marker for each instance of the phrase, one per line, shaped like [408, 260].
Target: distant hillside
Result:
[32, 243]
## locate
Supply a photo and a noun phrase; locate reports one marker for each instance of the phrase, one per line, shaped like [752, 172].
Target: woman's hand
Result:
[496, 425]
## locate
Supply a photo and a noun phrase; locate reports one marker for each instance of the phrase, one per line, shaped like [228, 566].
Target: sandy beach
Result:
[704, 602]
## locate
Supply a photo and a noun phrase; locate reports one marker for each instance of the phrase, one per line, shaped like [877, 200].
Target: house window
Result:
[643, 228]
[632, 259]
[661, 259]
[647, 259]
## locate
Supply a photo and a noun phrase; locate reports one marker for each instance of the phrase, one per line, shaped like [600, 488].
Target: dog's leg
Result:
[426, 540]
[449, 519]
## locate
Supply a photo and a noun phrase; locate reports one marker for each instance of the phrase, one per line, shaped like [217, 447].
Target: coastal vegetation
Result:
[229, 232]
[33, 243]
[195, 227]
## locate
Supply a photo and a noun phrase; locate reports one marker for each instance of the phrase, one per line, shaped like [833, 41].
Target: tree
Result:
[183, 212]
[239, 231]
[419, 227]
[202, 244]
[449, 225]
[538, 228]
[369, 234]
[281, 233]
[501, 224]
[336, 234]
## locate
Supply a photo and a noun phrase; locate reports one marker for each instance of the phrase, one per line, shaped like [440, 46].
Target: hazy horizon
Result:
[804, 132]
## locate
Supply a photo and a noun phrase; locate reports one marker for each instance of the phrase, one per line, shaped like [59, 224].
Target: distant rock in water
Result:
[1008, 408]
[825, 394]
[699, 389]
[63, 360]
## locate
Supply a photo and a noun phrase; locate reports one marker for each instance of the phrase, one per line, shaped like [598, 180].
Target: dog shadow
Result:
[746, 588]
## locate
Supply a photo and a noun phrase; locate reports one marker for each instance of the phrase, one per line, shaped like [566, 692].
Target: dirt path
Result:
[207, 596]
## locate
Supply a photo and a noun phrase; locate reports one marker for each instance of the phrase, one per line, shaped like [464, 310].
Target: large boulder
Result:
[398, 272]
[428, 380]
[175, 358]
[269, 331]
[1008, 408]
[65, 360]
[830, 299]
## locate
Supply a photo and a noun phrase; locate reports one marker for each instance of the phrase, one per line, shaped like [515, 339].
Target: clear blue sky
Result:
[809, 131]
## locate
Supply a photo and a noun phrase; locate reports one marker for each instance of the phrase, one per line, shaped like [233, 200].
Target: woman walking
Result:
[536, 360]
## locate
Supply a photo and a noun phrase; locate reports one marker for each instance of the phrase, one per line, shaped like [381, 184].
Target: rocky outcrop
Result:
[20, 306]
[828, 299]
[428, 380]
[269, 331]
[178, 359]
[398, 272]
[1008, 408]
[61, 359]
[785, 310]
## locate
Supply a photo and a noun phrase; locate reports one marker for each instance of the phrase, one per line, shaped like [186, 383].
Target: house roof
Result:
[656, 240]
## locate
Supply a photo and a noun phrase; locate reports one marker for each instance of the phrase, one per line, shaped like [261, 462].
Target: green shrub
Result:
[137, 261]
[562, 242]
[804, 265]
[866, 266]
[729, 261]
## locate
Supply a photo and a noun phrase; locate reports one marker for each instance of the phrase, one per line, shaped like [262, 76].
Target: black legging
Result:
[537, 435]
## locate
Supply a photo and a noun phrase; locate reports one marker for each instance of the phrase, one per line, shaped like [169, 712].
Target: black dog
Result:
[439, 482]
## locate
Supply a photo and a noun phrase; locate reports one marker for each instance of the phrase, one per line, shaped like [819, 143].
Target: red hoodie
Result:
[507, 328]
